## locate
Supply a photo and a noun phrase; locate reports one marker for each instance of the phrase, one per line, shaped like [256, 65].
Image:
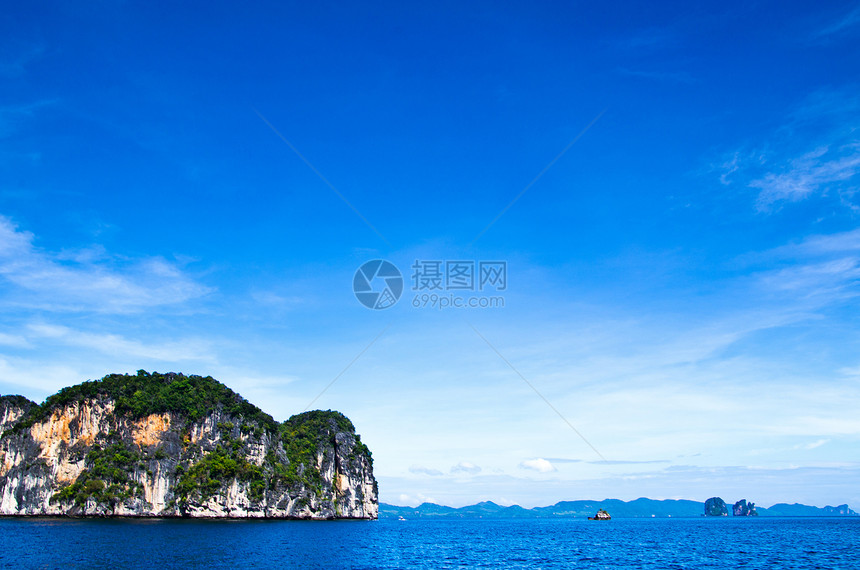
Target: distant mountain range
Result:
[640, 508]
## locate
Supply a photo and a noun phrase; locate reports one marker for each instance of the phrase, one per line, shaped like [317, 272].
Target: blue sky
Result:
[682, 280]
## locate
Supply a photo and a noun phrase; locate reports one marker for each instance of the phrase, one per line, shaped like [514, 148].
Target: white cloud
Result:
[53, 282]
[465, 467]
[540, 465]
[408, 500]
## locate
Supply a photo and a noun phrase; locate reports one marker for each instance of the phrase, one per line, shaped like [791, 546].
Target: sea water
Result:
[543, 543]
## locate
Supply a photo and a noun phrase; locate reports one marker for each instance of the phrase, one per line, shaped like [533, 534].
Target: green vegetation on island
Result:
[206, 477]
[17, 401]
[107, 478]
[142, 394]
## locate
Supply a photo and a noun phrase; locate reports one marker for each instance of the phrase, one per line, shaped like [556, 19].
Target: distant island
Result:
[171, 445]
[639, 508]
[716, 507]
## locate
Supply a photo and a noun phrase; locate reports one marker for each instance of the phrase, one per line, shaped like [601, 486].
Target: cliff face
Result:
[171, 445]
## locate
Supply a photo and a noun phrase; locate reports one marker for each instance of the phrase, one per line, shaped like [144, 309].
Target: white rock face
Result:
[53, 453]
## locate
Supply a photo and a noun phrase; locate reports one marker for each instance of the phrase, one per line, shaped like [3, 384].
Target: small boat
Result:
[600, 516]
[401, 519]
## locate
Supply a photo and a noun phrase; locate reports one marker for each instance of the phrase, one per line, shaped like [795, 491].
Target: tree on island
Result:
[716, 507]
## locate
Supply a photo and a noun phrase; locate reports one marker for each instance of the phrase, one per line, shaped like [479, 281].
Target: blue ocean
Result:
[543, 543]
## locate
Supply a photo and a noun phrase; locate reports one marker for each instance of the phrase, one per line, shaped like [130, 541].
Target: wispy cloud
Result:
[420, 470]
[12, 116]
[275, 300]
[16, 65]
[812, 445]
[52, 281]
[117, 345]
[815, 272]
[625, 462]
[815, 153]
[841, 24]
[36, 379]
[646, 40]
[833, 279]
[670, 76]
[465, 467]
[15, 341]
[819, 245]
[608, 462]
[848, 371]
[808, 174]
[727, 168]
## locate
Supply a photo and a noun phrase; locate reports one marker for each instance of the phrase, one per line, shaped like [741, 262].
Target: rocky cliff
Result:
[174, 445]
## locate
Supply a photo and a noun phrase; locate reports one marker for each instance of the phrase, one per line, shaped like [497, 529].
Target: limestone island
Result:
[170, 445]
[717, 507]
